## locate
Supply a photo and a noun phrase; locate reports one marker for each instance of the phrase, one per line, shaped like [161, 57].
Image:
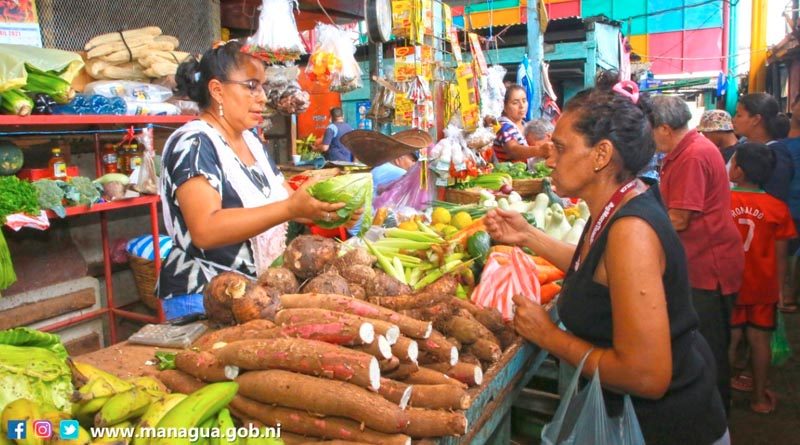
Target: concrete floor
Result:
[783, 425]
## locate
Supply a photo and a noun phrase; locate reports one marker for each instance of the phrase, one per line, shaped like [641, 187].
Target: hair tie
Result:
[629, 89]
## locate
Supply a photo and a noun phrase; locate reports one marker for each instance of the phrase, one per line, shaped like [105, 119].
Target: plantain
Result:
[85, 411]
[55, 417]
[157, 410]
[122, 407]
[224, 425]
[22, 409]
[99, 387]
[83, 373]
[204, 431]
[197, 408]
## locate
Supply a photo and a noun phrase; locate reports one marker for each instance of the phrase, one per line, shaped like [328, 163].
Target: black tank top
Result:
[691, 411]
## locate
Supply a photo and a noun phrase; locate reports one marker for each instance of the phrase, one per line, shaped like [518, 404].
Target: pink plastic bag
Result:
[504, 276]
[412, 190]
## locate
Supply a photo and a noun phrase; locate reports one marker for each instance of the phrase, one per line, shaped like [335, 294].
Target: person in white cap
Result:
[716, 125]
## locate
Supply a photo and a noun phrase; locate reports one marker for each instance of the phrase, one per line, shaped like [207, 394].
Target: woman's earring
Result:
[596, 169]
[221, 111]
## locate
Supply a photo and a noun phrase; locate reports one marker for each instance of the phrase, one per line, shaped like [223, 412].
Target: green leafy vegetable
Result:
[7, 274]
[82, 191]
[17, 196]
[33, 366]
[51, 195]
[355, 190]
[541, 170]
[166, 360]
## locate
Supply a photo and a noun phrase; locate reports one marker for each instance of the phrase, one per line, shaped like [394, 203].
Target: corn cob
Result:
[15, 102]
[50, 84]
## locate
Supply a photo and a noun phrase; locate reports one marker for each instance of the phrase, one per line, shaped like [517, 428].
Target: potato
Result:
[307, 255]
[219, 294]
[280, 279]
[358, 274]
[385, 286]
[257, 303]
[327, 283]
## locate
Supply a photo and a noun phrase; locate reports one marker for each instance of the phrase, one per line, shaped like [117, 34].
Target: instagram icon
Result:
[43, 429]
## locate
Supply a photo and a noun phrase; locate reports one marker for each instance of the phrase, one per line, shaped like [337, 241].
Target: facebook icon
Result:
[16, 429]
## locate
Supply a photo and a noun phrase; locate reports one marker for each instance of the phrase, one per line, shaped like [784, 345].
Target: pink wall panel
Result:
[702, 43]
[565, 9]
[686, 51]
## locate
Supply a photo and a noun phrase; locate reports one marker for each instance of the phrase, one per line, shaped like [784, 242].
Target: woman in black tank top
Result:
[626, 292]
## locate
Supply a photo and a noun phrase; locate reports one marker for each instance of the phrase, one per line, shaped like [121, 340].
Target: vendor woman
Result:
[225, 203]
[510, 144]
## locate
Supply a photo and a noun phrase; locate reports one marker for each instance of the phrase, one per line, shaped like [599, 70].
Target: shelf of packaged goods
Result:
[106, 206]
[65, 119]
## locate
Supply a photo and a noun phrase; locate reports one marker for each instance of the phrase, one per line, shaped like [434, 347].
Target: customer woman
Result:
[626, 297]
[758, 118]
[510, 144]
[225, 203]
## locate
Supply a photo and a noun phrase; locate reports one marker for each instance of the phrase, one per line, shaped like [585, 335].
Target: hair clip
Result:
[197, 76]
[218, 43]
[629, 89]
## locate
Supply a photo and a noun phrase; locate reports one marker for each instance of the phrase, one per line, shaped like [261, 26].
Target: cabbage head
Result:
[355, 190]
[33, 365]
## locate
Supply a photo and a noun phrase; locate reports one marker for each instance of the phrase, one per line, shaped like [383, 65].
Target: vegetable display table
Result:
[488, 416]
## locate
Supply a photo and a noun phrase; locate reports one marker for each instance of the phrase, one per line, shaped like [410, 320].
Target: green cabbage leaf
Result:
[355, 190]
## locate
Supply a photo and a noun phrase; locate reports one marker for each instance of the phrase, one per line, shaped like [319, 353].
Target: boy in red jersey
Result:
[765, 224]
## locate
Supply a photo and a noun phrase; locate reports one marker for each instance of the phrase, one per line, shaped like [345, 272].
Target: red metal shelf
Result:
[105, 206]
[92, 120]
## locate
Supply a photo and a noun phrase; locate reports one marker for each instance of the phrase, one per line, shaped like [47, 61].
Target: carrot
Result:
[204, 365]
[438, 397]
[549, 291]
[546, 274]
[472, 375]
[310, 357]
[323, 396]
[408, 326]
[463, 235]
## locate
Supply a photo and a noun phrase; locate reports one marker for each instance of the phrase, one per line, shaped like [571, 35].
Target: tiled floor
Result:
[783, 425]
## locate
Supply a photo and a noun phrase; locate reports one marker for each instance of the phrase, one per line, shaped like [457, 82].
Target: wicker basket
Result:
[144, 274]
[527, 187]
[457, 196]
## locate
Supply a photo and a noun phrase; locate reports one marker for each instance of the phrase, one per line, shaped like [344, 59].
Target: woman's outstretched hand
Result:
[507, 227]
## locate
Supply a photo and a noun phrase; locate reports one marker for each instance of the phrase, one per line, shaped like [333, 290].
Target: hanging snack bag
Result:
[277, 39]
[332, 63]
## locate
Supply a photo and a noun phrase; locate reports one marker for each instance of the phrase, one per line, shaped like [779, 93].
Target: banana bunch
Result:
[32, 413]
[104, 400]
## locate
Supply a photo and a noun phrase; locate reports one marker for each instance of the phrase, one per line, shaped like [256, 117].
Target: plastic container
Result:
[57, 166]
[34, 174]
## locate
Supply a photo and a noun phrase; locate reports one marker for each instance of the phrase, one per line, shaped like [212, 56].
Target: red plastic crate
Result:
[35, 174]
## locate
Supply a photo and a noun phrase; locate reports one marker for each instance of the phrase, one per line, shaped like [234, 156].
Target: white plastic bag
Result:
[492, 91]
[147, 179]
[139, 108]
[277, 39]
[283, 91]
[129, 90]
[333, 62]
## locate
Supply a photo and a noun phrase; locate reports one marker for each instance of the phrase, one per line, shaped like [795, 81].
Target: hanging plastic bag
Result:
[332, 63]
[493, 91]
[581, 417]
[283, 91]
[412, 190]
[147, 179]
[277, 39]
[781, 349]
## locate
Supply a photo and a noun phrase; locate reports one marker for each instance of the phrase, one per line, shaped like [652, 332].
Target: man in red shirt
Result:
[696, 192]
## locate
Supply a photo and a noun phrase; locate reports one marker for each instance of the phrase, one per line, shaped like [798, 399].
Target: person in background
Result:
[225, 203]
[330, 146]
[758, 118]
[765, 224]
[792, 142]
[510, 144]
[626, 298]
[697, 196]
[537, 135]
[717, 127]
